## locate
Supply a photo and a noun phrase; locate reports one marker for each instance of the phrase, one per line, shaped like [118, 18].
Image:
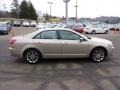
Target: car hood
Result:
[100, 40]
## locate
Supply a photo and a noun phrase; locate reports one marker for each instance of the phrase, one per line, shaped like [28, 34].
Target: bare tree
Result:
[15, 8]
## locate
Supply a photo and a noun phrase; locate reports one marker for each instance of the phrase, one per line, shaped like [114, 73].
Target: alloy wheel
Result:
[98, 55]
[32, 56]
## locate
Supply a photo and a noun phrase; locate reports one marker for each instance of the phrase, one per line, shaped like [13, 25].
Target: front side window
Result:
[67, 35]
[46, 35]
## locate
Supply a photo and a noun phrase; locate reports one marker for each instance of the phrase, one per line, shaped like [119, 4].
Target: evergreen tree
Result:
[32, 12]
[24, 10]
[27, 11]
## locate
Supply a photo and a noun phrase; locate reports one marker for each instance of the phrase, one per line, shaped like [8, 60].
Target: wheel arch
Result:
[99, 47]
[30, 49]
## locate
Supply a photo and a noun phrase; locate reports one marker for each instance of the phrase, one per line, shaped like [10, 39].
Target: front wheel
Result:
[32, 56]
[98, 55]
[106, 32]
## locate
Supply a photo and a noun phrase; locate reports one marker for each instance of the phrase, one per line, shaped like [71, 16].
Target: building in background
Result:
[5, 14]
[40, 16]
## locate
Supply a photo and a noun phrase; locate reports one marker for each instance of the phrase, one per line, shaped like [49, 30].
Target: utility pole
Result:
[4, 5]
[66, 8]
[50, 3]
[76, 6]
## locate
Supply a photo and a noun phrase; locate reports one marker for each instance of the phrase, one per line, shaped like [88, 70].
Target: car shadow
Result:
[3, 34]
[66, 60]
[60, 61]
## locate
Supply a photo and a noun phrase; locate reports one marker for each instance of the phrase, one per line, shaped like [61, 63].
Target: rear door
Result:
[48, 44]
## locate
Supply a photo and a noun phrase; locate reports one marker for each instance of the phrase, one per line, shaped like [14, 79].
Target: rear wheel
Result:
[98, 55]
[93, 32]
[32, 56]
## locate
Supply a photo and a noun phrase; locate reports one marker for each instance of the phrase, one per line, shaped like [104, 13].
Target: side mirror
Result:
[81, 39]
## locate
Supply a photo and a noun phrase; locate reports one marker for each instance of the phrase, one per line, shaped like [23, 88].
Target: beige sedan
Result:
[59, 43]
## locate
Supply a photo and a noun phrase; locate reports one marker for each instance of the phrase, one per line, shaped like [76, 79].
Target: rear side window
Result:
[46, 35]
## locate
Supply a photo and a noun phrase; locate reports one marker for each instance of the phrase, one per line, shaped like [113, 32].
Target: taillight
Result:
[12, 41]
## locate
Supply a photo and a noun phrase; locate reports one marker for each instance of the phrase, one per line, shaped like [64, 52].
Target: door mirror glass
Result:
[82, 39]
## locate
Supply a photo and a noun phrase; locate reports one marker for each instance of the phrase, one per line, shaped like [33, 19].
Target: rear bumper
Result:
[13, 52]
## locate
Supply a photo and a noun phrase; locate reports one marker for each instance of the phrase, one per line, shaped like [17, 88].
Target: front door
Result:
[72, 46]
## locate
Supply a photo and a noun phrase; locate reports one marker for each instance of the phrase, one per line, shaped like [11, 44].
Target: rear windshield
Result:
[2, 24]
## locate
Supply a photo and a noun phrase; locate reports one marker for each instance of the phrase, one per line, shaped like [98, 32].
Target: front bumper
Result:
[110, 51]
[3, 31]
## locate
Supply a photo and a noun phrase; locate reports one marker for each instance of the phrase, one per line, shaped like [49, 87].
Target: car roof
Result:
[56, 29]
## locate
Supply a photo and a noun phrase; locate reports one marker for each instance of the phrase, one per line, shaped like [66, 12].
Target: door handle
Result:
[38, 43]
[65, 43]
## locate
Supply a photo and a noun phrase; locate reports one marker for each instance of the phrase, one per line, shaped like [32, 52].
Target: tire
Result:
[93, 32]
[7, 33]
[106, 32]
[32, 56]
[98, 55]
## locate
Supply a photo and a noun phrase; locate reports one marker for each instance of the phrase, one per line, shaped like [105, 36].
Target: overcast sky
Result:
[87, 8]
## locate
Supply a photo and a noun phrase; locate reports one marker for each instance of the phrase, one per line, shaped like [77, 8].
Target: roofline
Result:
[55, 29]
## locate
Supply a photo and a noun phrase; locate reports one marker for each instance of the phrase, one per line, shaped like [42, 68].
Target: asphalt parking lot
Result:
[65, 74]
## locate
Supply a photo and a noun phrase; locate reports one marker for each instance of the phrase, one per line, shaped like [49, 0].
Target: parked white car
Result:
[33, 24]
[26, 24]
[61, 26]
[42, 26]
[95, 29]
[17, 23]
